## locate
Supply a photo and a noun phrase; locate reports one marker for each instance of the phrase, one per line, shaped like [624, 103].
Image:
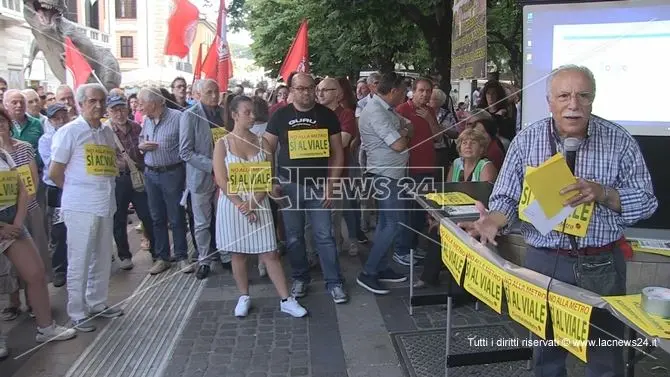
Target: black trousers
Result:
[56, 230]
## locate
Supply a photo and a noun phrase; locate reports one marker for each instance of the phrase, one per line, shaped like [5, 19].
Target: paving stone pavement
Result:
[351, 340]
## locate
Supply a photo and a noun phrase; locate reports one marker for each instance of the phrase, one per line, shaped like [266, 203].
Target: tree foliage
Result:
[344, 36]
[347, 36]
[503, 29]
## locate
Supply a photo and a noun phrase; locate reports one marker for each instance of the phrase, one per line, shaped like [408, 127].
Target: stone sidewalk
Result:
[368, 337]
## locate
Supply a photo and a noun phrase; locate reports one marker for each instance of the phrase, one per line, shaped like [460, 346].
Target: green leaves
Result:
[345, 36]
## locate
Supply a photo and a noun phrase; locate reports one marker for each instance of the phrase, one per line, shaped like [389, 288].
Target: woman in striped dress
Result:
[24, 157]
[244, 223]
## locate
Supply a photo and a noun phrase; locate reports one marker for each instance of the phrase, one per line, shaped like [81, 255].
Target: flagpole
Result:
[96, 78]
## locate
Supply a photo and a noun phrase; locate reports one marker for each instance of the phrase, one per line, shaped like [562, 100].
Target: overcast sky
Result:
[242, 37]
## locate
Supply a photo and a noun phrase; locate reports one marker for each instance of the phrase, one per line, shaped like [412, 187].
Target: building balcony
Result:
[96, 36]
[185, 66]
[11, 10]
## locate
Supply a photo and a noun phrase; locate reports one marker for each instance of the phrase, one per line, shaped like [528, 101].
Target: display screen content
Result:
[626, 44]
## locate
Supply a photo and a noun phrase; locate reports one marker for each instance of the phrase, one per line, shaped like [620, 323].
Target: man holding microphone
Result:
[613, 180]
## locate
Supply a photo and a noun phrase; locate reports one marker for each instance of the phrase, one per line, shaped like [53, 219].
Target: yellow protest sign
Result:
[571, 321]
[100, 160]
[484, 280]
[9, 188]
[450, 198]
[218, 133]
[27, 179]
[630, 306]
[527, 304]
[249, 177]
[310, 143]
[659, 247]
[576, 224]
[454, 253]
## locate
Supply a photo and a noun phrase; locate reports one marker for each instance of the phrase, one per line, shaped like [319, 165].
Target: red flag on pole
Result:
[77, 69]
[218, 64]
[297, 58]
[182, 25]
[197, 71]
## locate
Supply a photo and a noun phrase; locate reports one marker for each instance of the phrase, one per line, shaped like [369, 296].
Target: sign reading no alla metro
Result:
[468, 40]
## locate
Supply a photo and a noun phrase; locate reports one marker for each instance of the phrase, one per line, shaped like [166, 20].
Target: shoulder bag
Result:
[136, 176]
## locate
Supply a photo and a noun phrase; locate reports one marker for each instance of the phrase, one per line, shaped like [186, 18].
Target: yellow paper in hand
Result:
[546, 182]
[450, 198]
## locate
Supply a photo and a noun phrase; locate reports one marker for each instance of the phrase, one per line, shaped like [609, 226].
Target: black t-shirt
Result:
[304, 141]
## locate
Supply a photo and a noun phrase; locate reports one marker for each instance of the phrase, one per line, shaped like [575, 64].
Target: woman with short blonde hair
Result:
[471, 165]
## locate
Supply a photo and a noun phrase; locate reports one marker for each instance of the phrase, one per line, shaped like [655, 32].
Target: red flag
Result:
[218, 64]
[182, 26]
[197, 71]
[77, 69]
[297, 58]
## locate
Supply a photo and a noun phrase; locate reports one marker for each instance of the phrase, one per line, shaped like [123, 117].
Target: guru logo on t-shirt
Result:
[301, 121]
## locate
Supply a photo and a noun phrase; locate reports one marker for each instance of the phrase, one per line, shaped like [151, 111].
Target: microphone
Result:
[570, 146]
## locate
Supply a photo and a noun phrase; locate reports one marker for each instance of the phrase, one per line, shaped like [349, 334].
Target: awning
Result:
[153, 76]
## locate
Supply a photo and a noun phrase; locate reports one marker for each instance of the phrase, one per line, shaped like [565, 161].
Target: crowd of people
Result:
[88, 158]
[263, 175]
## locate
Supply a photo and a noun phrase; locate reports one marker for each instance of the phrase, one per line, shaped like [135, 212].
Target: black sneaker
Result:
[203, 272]
[372, 284]
[361, 237]
[59, 279]
[390, 276]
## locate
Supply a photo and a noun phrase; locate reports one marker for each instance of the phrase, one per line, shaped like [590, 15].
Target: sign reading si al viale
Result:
[468, 40]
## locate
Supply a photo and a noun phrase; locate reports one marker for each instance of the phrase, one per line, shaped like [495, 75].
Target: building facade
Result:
[140, 31]
[91, 15]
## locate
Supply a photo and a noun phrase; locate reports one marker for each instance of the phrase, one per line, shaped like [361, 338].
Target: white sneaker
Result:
[4, 352]
[262, 271]
[186, 267]
[54, 332]
[243, 306]
[292, 307]
[126, 264]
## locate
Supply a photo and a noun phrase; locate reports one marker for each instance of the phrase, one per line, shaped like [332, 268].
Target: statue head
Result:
[43, 15]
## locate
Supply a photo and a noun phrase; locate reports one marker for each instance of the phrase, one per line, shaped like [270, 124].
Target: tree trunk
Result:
[515, 61]
[436, 28]
[386, 64]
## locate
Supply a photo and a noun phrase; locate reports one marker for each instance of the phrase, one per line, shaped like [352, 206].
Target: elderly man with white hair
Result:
[83, 164]
[196, 90]
[614, 188]
[445, 143]
[197, 129]
[372, 82]
[164, 175]
[65, 95]
[34, 106]
[24, 127]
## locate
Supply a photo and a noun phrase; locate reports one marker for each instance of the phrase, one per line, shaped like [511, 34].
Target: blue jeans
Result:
[294, 230]
[391, 212]
[164, 191]
[416, 220]
[602, 361]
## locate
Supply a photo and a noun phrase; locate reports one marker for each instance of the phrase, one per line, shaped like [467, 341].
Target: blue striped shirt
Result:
[609, 156]
[166, 134]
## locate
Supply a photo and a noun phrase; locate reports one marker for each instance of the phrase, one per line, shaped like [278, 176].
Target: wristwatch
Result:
[605, 195]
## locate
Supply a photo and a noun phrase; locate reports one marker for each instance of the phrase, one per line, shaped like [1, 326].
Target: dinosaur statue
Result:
[50, 28]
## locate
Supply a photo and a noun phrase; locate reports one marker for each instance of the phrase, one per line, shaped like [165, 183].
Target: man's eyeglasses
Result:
[583, 98]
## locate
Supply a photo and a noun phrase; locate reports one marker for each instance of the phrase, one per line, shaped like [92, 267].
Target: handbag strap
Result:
[124, 154]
